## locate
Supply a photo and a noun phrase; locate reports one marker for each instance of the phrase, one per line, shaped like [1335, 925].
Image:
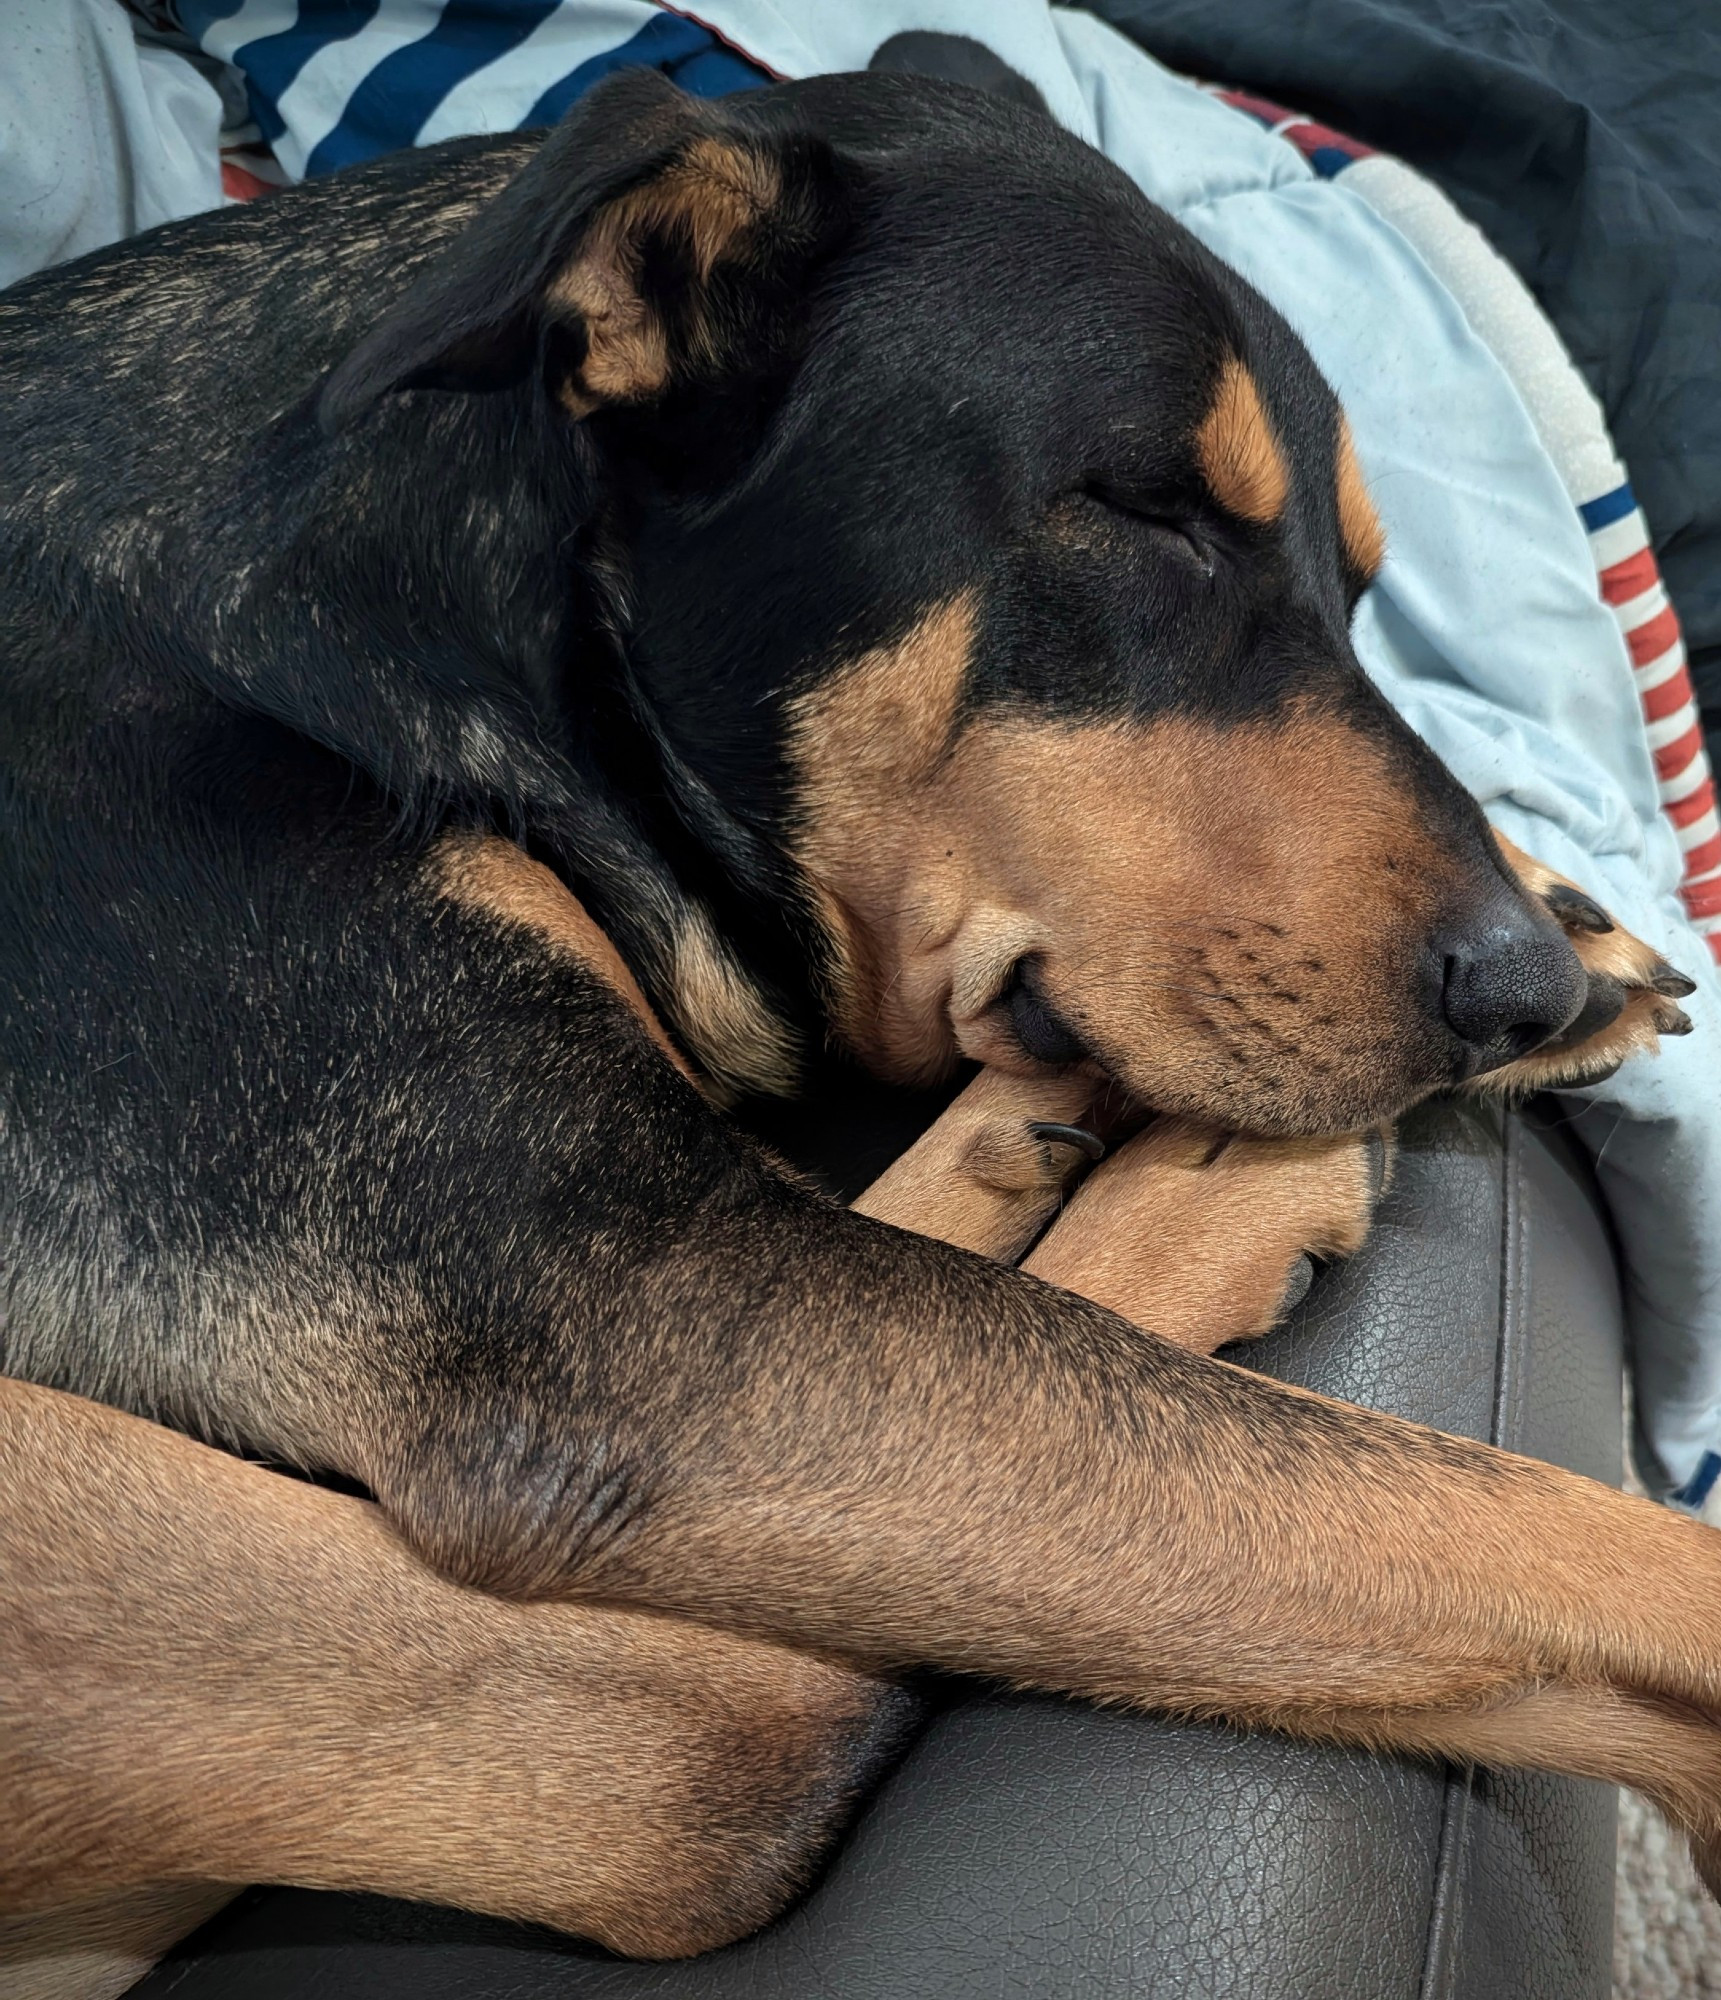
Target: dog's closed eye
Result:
[1172, 531]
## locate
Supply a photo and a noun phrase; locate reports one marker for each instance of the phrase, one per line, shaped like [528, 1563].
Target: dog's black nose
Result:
[1510, 984]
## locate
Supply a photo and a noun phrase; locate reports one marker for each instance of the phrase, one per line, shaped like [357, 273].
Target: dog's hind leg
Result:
[211, 1673]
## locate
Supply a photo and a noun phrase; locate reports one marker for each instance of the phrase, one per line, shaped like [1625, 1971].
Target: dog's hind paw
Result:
[1207, 1237]
[1633, 992]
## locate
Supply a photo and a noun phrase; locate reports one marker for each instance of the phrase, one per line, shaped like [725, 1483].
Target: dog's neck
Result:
[499, 679]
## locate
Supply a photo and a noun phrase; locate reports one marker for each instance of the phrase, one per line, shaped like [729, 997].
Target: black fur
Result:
[303, 563]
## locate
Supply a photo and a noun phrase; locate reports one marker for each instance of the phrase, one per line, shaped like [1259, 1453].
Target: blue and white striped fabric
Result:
[333, 82]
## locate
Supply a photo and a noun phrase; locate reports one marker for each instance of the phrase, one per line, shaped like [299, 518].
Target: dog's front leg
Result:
[660, 1372]
[905, 1454]
[581, 1339]
[995, 1167]
[1230, 1224]
[1207, 1237]
[1633, 992]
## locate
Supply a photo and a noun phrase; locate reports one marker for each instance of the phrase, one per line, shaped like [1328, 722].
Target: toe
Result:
[1670, 981]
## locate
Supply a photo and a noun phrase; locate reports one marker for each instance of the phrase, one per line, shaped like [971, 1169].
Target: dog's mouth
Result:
[1016, 1025]
[1538, 1041]
[1040, 1030]
[1287, 1000]
[1027, 1027]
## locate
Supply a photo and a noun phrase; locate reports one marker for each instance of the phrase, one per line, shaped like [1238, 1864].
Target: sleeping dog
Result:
[506, 651]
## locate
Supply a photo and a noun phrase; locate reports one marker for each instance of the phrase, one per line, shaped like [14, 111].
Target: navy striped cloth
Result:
[333, 82]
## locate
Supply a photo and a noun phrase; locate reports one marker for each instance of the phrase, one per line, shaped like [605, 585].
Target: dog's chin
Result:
[1326, 1095]
[1275, 1117]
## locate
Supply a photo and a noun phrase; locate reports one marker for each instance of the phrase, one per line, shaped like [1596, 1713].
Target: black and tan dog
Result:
[508, 648]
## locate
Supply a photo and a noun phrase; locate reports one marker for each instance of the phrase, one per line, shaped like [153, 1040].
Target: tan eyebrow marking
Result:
[1241, 456]
[1359, 524]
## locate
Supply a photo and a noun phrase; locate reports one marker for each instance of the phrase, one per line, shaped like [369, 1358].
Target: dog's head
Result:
[983, 554]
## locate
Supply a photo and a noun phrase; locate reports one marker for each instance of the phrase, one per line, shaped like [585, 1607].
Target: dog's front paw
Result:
[994, 1167]
[1633, 992]
[1207, 1237]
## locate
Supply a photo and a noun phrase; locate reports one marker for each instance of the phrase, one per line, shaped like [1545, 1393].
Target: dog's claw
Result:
[1576, 910]
[1084, 1141]
[1379, 1163]
[1671, 1020]
[1297, 1285]
[1669, 980]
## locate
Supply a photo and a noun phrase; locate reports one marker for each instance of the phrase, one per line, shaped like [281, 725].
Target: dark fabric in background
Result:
[1584, 137]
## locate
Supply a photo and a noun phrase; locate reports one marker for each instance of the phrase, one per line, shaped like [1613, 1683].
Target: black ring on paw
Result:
[1084, 1141]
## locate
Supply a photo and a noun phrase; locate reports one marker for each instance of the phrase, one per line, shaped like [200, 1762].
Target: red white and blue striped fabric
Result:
[1630, 583]
[1327, 151]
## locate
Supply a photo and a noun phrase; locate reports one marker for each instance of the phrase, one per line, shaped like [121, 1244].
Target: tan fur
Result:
[1240, 454]
[979, 1177]
[1669, 1753]
[723, 1019]
[886, 718]
[99, 1950]
[741, 1045]
[709, 201]
[212, 1673]
[865, 740]
[1115, 1517]
[1039, 1493]
[1359, 524]
[1195, 1233]
[485, 872]
[1615, 954]
[1221, 971]
[917, 1458]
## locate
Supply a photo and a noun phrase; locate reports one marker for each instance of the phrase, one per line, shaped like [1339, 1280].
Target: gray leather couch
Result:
[1035, 1850]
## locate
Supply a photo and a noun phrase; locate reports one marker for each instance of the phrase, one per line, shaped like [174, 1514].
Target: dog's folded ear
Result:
[655, 241]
